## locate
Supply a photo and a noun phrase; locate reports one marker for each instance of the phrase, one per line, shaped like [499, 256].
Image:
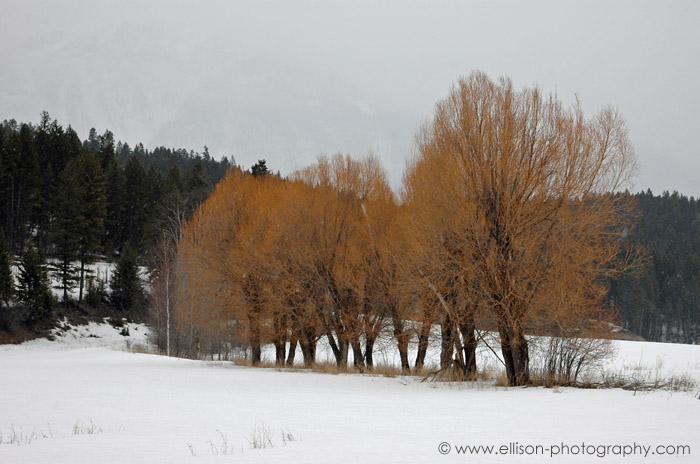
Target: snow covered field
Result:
[83, 399]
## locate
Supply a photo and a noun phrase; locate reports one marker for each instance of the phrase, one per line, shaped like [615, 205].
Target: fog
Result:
[286, 81]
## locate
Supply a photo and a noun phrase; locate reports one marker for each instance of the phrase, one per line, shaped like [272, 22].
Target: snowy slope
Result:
[147, 408]
[100, 271]
[92, 335]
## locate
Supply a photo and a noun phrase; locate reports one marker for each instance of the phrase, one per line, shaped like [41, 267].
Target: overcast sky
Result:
[288, 80]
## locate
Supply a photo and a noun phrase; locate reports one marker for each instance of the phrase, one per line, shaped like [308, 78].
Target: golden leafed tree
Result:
[333, 227]
[513, 194]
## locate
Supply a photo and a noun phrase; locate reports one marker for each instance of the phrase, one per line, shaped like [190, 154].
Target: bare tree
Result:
[163, 258]
[511, 188]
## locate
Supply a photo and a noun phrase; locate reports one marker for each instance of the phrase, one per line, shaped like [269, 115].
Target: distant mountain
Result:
[181, 94]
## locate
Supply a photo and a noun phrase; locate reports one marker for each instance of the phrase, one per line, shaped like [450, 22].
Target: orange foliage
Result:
[505, 220]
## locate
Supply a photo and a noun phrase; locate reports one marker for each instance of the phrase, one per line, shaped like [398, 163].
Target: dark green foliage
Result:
[127, 292]
[113, 237]
[259, 169]
[135, 212]
[127, 193]
[663, 303]
[173, 182]
[65, 229]
[163, 160]
[6, 281]
[33, 285]
[79, 202]
[92, 201]
[19, 185]
[96, 295]
[197, 178]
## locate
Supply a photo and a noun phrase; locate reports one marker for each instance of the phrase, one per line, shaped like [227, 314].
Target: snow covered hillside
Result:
[100, 271]
[79, 399]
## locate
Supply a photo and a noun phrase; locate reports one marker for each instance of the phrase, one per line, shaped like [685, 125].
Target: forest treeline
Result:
[66, 203]
[662, 303]
[324, 253]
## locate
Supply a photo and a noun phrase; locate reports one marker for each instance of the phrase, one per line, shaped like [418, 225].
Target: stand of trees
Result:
[289, 261]
[65, 203]
[506, 223]
[663, 302]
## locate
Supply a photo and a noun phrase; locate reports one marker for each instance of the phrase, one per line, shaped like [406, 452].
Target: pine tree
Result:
[135, 211]
[106, 148]
[3, 177]
[65, 229]
[93, 141]
[33, 284]
[153, 204]
[173, 182]
[6, 281]
[113, 236]
[92, 207]
[259, 169]
[197, 177]
[127, 291]
[21, 178]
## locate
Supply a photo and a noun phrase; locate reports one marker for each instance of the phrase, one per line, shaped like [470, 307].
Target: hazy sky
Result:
[288, 80]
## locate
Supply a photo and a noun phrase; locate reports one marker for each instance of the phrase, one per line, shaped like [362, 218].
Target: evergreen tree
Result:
[197, 177]
[259, 169]
[113, 237]
[661, 302]
[91, 201]
[20, 181]
[3, 176]
[127, 291]
[65, 229]
[135, 209]
[6, 281]
[173, 182]
[93, 141]
[33, 284]
[106, 148]
[153, 203]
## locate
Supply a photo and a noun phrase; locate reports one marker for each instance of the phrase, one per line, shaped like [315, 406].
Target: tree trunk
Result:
[515, 353]
[402, 339]
[280, 351]
[167, 311]
[358, 358]
[335, 347]
[292, 349]
[82, 278]
[447, 345]
[342, 361]
[255, 338]
[402, 343]
[256, 354]
[308, 348]
[521, 358]
[469, 344]
[280, 339]
[369, 351]
[423, 339]
[306, 351]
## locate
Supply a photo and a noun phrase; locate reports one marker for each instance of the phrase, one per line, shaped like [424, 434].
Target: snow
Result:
[99, 271]
[91, 335]
[144, 408]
